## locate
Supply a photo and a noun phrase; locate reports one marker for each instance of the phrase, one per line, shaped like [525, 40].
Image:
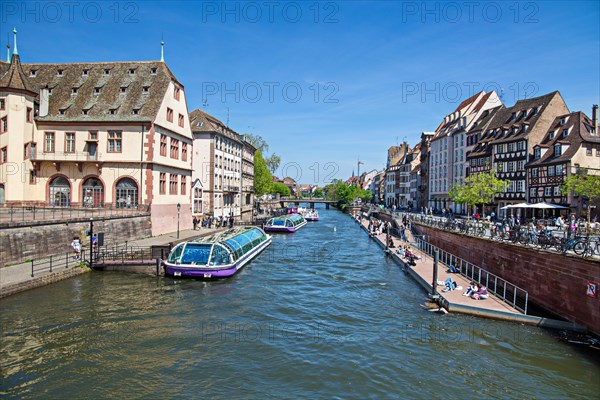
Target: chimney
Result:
[595, 118]
[44, 101]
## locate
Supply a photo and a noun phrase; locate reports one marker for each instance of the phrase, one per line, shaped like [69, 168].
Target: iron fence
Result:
[55, 262]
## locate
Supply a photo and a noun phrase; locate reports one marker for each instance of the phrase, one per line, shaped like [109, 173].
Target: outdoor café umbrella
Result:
[545, 206]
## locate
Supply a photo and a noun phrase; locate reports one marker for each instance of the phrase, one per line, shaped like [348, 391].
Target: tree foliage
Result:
[479, 188]
[318, 193]
[258, 142]
[345, 194]
[583, 184]
[282, 189]
[273, 162]
[263, 181]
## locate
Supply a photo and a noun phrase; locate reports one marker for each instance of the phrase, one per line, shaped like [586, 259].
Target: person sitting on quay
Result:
[471, 289]
[481, 293]
[452, 269]
[391, 243]
[450, 284]
[401, 251]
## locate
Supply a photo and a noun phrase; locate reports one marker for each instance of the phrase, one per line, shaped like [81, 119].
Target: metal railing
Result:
[501, 288]
[41, 213]
[75, 156]
[55, 262]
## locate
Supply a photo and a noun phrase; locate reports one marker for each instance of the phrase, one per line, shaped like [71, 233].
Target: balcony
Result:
[58, 157]
[230, 188]
[248, 188]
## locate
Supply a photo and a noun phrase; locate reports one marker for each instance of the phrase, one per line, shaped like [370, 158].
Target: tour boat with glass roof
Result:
[285, 223]
[218, 256]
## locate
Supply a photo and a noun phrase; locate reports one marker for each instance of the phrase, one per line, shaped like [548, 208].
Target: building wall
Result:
[14, 173]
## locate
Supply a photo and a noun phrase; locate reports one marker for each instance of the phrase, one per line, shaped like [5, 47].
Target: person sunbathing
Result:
[481, 293]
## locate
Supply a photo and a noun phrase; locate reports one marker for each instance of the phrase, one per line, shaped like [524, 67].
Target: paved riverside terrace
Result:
[11, 276]
[424, 271]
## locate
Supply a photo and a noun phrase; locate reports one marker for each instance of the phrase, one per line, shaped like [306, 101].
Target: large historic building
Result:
[96, 134]
[223, 169]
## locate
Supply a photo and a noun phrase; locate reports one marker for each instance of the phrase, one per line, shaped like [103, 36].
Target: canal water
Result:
[321, 314]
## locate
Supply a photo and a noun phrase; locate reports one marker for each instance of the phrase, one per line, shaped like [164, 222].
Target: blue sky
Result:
[327, 82]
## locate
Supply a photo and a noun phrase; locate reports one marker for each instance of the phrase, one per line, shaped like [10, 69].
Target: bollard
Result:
[67, 260]
[435, 273]
[32, 268]
[50, 263]
[157, 266]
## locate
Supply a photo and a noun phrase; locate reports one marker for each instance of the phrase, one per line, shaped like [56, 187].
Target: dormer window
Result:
[557, 150]
[49, 91]
[524, 114]
[32, 73]
[97, 91]
[535, 111]
[153, 71]
[74, 91]
[136, 111]
[131, 71]
[563, 121]
[123, 89]
[537, 153]
[106, 71]
[513, 116]
[551, 135]
[565, 133]
[62, 111]
[85, 111]
[60, 72]
[514, 129]
[525, 128]
[112, 111]
[85, 73]
[146, 89]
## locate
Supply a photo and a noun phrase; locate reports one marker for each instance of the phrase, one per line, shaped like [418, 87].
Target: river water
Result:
[321, 314]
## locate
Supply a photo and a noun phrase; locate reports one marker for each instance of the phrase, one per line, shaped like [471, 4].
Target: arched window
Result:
[92, 193]
[2, 193]
[127, 193]
[60, 192]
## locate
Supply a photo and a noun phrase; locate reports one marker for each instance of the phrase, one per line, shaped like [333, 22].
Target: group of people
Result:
[476, 290]
[209, 222]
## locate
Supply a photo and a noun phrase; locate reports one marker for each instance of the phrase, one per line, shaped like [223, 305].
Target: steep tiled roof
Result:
[204, 122]
[14, 77]
[102, 87]
[578, 126]
[481, 128]
[447, 127]
[505, 121]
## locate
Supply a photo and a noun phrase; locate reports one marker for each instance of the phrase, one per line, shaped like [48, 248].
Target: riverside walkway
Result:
[454, 301]
[16, 278]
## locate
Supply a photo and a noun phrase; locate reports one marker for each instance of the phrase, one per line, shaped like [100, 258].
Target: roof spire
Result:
[8, 47]
[15, 51]
[162, 49]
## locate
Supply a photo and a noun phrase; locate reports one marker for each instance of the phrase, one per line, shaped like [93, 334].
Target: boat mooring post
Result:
[157, 266]
[434, 294]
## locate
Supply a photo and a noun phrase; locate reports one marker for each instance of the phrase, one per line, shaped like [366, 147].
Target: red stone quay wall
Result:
[555, 282]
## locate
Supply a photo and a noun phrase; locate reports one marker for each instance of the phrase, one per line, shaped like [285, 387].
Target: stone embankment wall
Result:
[42, 281]
[555, 282]
[21, 243]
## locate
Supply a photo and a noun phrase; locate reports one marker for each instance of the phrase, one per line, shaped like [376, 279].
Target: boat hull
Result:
[209, 273]
[284, 229]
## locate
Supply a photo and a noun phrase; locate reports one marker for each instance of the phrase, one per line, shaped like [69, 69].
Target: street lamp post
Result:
[91, 242]
[178, 208]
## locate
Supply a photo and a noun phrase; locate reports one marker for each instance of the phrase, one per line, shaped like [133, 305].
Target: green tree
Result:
[258, 142]
[273, 162]
[583, 184]
[318, 193]
[282, 189]
[479, 188]
[263, 181]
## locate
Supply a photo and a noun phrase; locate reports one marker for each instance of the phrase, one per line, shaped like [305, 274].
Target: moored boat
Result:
[285, 223]
[311, 215]
[218, 256]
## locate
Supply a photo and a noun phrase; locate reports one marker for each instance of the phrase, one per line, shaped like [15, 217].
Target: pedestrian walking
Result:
[195, 222]
[76, 245]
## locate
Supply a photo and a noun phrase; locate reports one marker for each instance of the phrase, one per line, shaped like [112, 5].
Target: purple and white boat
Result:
[311, 215]
[285, 223]
[218, 256]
